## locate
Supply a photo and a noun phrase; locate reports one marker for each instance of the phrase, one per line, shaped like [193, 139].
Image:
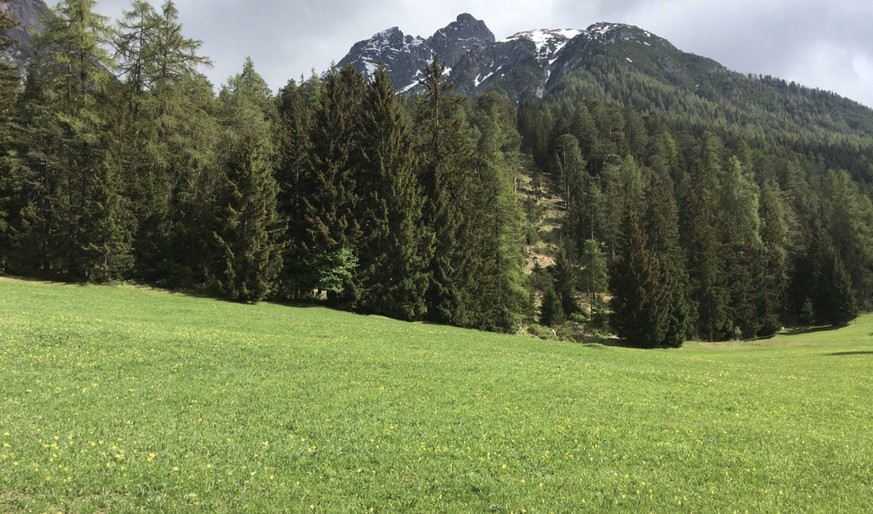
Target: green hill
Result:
[124, 399]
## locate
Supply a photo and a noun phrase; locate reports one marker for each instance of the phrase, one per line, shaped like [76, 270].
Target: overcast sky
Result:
[819, 43]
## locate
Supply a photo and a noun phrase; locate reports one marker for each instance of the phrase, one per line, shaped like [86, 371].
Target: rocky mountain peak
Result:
[405, 56]
[459, 37]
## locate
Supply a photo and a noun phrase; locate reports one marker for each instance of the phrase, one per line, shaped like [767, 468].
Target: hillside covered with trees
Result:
[126, 165]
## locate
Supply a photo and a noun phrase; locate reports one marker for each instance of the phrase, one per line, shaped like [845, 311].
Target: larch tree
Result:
[77, 221]
[10, 201]
[166, 117]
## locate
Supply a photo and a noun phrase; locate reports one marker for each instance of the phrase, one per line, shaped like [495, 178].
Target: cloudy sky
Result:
[819, 43]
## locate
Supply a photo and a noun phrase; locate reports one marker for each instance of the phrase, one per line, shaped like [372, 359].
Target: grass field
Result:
[125, 399]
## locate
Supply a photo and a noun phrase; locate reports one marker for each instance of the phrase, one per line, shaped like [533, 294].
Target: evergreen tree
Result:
[165, 120]
[9, 185]
[446, 151]
[564, 274]
[572, 166]
[294, 126]
[848, 217]
[832, 296]
[740, 225]
[551, 313]
[586, 218]
[392, 278]
[773, 279]
[76, 223]
[330, 201]
[704, 252]
[641, 311]
[662, 232]
[497, 291]
[248, 235]
[594, 273]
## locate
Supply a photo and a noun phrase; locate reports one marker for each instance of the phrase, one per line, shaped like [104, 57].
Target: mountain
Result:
[405, 56]
[29, 15]
[619, 63]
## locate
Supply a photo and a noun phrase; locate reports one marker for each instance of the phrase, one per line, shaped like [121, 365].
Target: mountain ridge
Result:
[636, 68]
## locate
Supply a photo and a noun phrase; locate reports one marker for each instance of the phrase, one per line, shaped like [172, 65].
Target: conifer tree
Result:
[551, 313]
[331, 200]
[564, 273]
[594, 273]
[662, 232]
[832, 295]
[446, 153]
[848, 217]
[393, 250]
[249, 232]
[497, 287]
[773, 279]
[740, 227]
[76, 221]
[166, 121]
[704, 251]
[572, 166]
[10, 201]
[294, 126]
[640, 309]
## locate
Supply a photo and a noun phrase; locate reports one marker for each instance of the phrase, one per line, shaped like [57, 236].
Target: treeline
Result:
[125, 165]
[704, 235]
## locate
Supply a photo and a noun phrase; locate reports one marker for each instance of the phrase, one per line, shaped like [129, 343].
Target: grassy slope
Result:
[130, 399]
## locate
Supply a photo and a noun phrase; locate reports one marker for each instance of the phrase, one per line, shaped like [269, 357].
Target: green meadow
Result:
[120, 399]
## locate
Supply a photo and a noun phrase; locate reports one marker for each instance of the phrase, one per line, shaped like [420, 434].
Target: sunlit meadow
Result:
[125, 399]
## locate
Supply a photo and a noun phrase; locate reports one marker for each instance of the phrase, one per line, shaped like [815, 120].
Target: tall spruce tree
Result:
[662, 232]
[594, 274]
[565, 277]
[773, 279]
[640, 308]
[170, 133]
[293, 128]
[248, 236]
[393, 250]
[331, 200]
[832, 296]
[703, 248]
[740, 227]
[848, 217]
[497, 288]
[446, 151]
[572, 166]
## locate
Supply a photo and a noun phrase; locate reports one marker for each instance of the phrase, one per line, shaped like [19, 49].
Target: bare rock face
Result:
[459, 37]
[405, 56]
[29, 15]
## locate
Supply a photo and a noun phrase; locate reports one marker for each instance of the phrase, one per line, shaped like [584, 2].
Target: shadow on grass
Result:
[614, 342]
[809, 330]
[846, 354]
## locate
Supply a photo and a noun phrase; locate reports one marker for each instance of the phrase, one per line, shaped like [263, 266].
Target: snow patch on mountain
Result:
[549, 43]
